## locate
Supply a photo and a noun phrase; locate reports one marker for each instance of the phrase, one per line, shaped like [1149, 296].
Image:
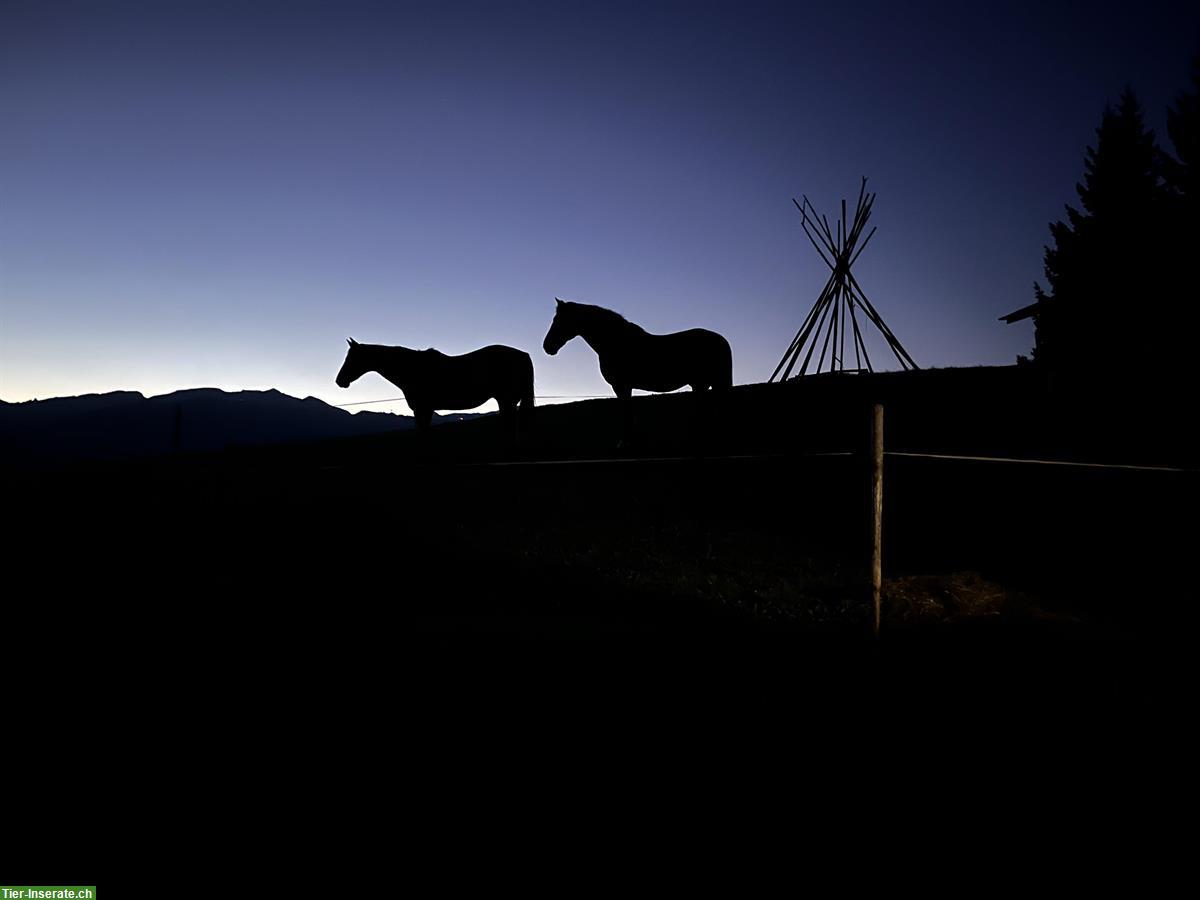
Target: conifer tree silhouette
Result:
[1181, 232]
[1100, 267]
[1183, 128]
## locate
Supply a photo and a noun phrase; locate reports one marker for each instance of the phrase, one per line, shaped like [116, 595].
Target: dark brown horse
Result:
[434, 381]
[631, 357]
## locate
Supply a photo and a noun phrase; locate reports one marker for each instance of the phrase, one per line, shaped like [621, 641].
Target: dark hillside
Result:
[715, 523]
[993, 411]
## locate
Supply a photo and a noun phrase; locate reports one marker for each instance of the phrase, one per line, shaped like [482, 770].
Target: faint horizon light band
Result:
[535, 397]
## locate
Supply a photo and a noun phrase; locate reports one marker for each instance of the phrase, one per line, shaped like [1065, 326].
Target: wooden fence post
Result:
[877, 510]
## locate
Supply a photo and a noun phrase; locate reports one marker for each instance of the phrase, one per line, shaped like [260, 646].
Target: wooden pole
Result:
[829, 331]
[877, 320]
[858, 252]
[842, 354]
[811, 240]
[817, 337]
[877, 510]
[858, 338]
[802, 336]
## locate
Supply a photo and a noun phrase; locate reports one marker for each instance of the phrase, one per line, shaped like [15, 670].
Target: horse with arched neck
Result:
[631, 357]
[434, 381]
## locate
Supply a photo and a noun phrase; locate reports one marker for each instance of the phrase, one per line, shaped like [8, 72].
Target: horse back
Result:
[496, 371]
[697, 352]
[664, 362]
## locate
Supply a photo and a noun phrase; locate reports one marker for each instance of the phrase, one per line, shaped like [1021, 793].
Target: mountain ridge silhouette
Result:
[128, 424]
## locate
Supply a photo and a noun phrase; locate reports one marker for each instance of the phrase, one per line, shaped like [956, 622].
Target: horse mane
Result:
[608, 316]
[375, 348]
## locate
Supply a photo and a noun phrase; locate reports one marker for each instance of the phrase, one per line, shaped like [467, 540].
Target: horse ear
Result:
[559, 302]
[352, 342]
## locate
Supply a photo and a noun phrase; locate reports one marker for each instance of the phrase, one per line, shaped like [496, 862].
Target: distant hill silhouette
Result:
[125, 424]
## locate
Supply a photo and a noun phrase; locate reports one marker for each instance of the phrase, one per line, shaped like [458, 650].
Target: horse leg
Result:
[508, 415]
[724, 373]
[625, 395]
[424, 418]
[697, 405]
[527, 406]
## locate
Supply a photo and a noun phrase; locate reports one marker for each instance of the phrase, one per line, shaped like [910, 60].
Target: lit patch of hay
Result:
[929, 599]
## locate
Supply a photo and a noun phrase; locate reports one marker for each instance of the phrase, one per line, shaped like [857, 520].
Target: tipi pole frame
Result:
[839, 248]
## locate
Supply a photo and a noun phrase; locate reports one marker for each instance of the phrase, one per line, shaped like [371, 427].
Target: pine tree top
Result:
[1121, 173]
[1183, 128]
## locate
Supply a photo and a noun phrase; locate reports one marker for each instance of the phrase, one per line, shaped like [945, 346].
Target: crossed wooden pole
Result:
[835, 314]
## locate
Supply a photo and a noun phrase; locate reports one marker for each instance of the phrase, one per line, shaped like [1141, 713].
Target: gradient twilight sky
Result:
[218, 194]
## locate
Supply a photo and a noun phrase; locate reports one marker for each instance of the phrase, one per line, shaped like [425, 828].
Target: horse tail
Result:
[527, 384]
[723, 377]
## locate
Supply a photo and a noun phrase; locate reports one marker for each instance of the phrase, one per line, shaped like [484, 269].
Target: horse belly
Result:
[660, 385]
[703, 357]
[660, 375]
[461, 399]
[496, 372]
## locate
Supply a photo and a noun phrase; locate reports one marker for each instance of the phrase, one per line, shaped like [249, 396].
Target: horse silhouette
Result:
[631, 357]
[434, 381]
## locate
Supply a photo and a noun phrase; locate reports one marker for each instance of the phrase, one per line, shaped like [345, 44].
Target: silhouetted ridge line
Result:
[535, 396]
[127, 424]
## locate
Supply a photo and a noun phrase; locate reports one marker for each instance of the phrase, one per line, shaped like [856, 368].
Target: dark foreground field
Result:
[460, 551]
[319, 633]
[322, 633]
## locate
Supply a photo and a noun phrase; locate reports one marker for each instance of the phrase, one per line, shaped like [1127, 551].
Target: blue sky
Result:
[219, 194]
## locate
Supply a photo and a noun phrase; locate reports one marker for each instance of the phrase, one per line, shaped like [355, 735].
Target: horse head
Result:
[354, 366]
[562, 329]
